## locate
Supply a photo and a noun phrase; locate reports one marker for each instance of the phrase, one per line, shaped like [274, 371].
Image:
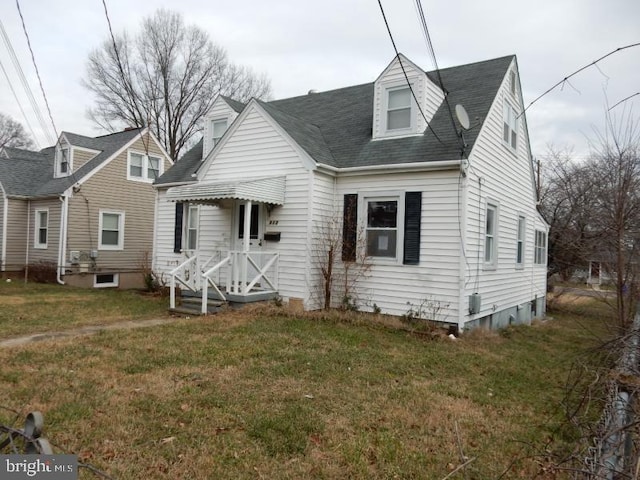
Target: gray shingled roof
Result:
[335, 127]
[182, 170]
[27, 173]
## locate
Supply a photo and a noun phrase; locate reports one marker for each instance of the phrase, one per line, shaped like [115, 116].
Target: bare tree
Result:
[167, 76]
[566, 203]
[593, 208]
[615, 169]
[12, 134]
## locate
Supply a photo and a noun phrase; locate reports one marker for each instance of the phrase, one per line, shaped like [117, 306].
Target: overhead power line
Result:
[565, 79]
[24, 115]
[624, 100]
[25, 84]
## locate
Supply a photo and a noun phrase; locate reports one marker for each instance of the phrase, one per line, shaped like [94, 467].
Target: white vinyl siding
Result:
[111, 228]
[501, 176]
[219, 110]
[390, 284]
[254, 147]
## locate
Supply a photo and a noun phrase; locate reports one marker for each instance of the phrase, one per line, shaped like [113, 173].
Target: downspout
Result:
[5, 213]
[462, 219]
[26, 255]
[62, 244]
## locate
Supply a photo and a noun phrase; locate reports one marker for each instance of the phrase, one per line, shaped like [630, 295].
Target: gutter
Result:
[172, 184]
[62, 244]
[397, 168]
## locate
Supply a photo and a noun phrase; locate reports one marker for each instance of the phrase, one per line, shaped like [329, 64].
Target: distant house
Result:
[443, 206]
[84, 207]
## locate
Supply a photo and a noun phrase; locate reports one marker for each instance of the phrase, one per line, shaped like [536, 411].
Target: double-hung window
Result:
[143, 168]
[382, 227]
[42, 229]
[490, 236]
[111, 225]
[218, 127]
[540, 255]
[520, 241]
[509, 126]
[192, 227]
[399, 109]
[63, 161]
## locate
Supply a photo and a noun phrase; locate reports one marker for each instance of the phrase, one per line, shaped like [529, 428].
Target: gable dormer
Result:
[395, 110]
[222, 114]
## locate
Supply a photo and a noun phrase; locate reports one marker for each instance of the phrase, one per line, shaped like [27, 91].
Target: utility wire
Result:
[565, 79]
[33, 58]
[432, 52]
[127, 84]
[384, 17]
[623, 100]
[26, 119]
[25, 85]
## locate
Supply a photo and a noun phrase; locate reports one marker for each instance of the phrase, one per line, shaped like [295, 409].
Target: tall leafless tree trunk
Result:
[167, 76]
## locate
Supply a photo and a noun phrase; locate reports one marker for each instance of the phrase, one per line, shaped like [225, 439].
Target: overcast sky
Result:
[327, 44]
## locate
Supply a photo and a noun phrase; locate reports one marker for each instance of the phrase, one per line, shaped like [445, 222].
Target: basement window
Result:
[105, 280]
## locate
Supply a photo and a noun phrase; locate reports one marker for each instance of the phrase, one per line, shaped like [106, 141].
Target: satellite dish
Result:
[463, 117]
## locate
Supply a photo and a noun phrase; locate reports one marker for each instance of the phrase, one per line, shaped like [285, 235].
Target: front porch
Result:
[233, 276]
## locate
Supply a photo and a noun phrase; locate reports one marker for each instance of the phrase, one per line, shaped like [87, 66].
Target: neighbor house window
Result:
[63, 162]
[143, 168]
[42, 228]
[192, 228]
[509, 126]
[490, 240]
[399, 109]
[104, 280]
[218, 127]
[382, 227]
[520, 241]
[111, 230]
[540, 256]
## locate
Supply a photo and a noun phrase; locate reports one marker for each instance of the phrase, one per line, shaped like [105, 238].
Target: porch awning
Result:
[261, 190]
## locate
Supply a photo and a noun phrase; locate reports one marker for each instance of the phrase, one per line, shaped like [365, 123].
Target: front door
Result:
[256, 235]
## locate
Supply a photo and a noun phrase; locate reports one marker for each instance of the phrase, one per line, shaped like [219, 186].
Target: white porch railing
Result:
[244, 274]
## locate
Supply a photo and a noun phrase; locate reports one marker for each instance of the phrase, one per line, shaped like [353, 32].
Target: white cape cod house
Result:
[443, 207]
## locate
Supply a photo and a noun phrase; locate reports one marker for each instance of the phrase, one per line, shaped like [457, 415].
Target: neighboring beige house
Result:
[84, 206]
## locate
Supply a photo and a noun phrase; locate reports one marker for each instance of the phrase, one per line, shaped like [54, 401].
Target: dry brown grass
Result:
[262, 393]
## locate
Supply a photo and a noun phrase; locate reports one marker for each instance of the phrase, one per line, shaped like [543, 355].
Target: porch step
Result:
[193, 305]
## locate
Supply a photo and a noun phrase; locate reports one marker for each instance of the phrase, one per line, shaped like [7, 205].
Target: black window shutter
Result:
[350, 227]
[177, 233]
[412, 213]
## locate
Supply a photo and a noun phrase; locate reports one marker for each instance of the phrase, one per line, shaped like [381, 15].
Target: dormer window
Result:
[399, 109]
[218, 127]
[63, 161]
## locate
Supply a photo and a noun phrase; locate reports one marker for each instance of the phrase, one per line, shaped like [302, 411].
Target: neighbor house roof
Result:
[335, 127]
[30, 174]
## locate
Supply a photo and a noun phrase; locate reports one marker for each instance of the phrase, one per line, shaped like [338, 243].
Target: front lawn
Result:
[259, 393]
[27, 308]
